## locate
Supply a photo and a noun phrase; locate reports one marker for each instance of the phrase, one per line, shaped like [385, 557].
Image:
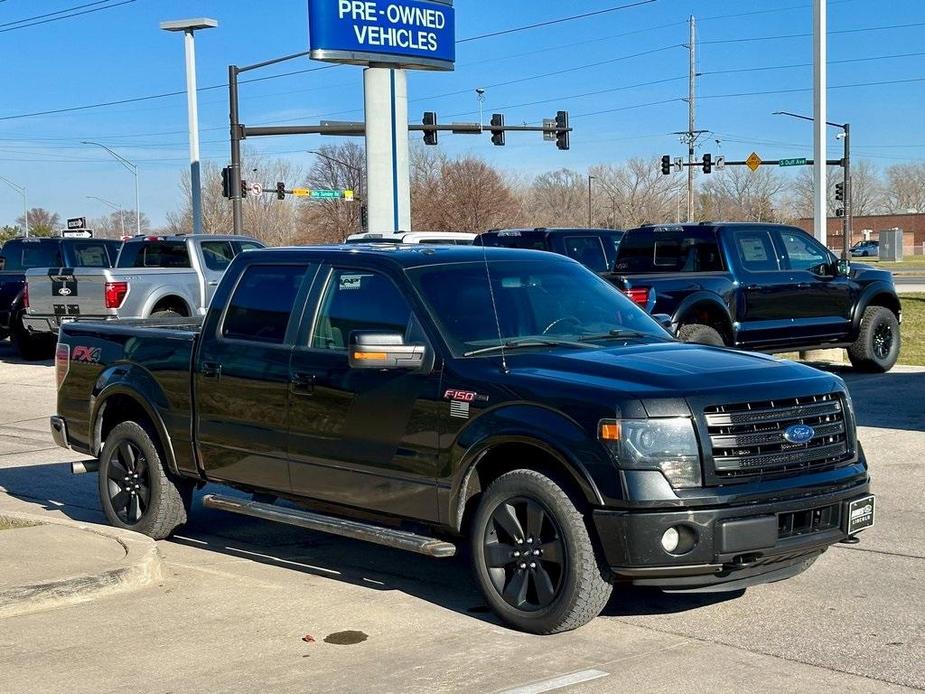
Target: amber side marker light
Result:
[370, 355]
[608, 430]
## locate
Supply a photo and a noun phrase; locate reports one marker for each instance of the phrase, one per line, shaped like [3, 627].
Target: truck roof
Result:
[404, 255]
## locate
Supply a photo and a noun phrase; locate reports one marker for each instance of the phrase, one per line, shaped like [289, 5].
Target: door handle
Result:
[752, 287]
[302, 382]
[211, 370]
[803, 285]
[213, 283]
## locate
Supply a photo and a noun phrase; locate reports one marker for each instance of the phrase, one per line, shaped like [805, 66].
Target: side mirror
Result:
[374, 350]
[664, 320]
[843, 268]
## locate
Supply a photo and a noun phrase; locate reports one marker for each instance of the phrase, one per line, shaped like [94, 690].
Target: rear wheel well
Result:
[708, 313]
[171, 303]
[123, 408]
[506, 457]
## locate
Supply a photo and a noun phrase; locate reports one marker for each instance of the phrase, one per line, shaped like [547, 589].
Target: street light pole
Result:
[114, 206]
[820, 87]
[189, 28]
[25, 207]
[134, 169]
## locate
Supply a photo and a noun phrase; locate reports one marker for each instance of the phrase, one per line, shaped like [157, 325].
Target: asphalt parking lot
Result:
[239, 596]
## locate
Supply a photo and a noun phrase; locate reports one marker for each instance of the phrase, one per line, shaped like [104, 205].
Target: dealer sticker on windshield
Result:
[860, 514]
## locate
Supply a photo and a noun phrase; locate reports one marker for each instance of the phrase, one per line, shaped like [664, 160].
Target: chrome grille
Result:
[748, 438]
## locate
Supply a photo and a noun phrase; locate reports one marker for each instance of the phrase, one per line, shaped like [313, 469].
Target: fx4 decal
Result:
[87, 355]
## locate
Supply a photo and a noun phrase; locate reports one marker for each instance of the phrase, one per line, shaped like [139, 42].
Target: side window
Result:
[756, 252]
[248, 246]
[359, 300]
[91, 255]
[217, 255]
[803, 252]
[587, 250]
[262, 302]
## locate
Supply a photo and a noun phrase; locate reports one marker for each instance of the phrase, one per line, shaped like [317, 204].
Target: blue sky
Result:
[120, 53]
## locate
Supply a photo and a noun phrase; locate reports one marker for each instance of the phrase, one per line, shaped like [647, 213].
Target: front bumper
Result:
[732, 547]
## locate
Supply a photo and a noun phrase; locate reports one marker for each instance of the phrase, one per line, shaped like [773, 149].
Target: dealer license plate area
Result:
[860, 514]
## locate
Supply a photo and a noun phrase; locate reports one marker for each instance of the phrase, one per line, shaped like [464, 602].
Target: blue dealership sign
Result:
[417, 34]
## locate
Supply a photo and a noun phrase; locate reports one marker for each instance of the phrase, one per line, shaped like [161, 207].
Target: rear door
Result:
[241, 377]
[362, 437]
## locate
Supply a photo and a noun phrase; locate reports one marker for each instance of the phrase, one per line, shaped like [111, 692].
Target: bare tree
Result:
[905, 187]
[867, 189]
[42, 222]
[738, 194]
[634, 193]
[111, 226]
[337, 167]
[559, 198]
[867, 192]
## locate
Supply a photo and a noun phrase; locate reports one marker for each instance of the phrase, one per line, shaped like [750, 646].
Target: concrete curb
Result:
[140, 567]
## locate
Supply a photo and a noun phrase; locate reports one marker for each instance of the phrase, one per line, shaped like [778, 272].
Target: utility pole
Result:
[846, 220]
[237, 210]
[691, 116]
[820, 206]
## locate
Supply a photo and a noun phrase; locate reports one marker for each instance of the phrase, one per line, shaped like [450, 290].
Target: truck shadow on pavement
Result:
[9, 355]
[894, 400]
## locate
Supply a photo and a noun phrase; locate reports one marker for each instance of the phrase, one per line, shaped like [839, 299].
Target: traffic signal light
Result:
[497, 129]
[562, 134]
[226, 182]
[707, 163]
[280, 190]
[364, 217]
[839, 191]
[430, 136]
[666, 165]
[243, 188]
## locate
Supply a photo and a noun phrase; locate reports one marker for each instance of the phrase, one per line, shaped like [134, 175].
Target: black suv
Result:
[765, 287]
[21, 254]
[596, 249]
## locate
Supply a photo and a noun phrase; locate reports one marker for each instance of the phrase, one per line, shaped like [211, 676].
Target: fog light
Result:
[671, 539]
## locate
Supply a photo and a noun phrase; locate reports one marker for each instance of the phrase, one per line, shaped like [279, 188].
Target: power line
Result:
[52, 14]
[809, 89]
[69, 16]
[796, 65]
[803, 36]
[551, 22]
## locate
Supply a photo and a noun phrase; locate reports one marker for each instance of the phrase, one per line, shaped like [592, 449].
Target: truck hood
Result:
[669, 370]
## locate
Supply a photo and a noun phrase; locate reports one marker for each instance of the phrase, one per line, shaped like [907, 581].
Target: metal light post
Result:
[846, 166]
[189, 27]
[25, 207]
[134, 169]
[820, 91]
[114, 206]
[590, 178]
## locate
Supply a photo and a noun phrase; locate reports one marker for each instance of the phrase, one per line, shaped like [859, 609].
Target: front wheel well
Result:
[503, 458]
[887, 300]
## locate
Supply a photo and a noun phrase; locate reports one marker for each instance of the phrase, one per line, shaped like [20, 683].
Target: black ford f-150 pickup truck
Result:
[427, 397]
[765, 287]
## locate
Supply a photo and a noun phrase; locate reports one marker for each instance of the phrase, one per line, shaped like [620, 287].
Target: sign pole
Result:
[387, 167]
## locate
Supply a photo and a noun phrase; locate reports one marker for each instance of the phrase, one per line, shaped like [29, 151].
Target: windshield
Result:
[551, 302]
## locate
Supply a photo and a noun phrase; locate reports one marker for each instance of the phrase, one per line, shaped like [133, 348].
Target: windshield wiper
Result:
[618, 332]
[525, 342]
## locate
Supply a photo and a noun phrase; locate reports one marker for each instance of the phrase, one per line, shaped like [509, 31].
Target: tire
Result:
[700, 334]
[160, 502]
[877, 346]
[568, 588]
[31, 347]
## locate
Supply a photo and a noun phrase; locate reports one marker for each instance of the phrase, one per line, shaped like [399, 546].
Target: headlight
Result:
[668, 445]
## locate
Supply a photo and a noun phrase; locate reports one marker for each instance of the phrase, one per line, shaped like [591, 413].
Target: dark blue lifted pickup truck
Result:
[510, 401]
[765, 287]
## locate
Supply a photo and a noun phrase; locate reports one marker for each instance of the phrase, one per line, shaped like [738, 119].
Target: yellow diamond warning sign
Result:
[753, 161]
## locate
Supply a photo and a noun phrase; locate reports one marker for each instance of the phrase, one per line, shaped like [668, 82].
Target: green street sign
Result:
[326, 194]
[799, 161]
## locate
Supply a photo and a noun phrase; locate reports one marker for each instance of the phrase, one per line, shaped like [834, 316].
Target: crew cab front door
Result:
[824, 297]
[362, 437]
[241, 377]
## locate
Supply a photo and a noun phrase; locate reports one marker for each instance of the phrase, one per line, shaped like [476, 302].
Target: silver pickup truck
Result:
[153, 275]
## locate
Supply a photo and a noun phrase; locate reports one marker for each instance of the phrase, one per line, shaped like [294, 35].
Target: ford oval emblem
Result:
[64, 291]
[799, 433]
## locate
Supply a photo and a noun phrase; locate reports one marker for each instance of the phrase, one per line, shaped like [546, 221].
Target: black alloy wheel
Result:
[526, 558]
[883, 340]
[128, 480]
